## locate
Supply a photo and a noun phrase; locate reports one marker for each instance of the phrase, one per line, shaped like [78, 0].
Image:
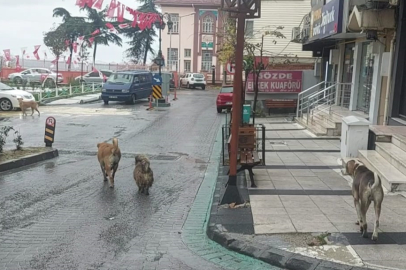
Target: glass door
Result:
[346, 80]
[365, 79]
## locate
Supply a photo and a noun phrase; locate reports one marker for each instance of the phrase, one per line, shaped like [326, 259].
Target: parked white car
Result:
[8, 97]
[94, 77]
[35, 75]
[192, 80]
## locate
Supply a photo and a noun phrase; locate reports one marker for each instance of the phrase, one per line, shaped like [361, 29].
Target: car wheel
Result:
[18, 80]
[5, 104]
[106, 101]
[133, 99]
[219, 110]
[203, 87]
[49, 83]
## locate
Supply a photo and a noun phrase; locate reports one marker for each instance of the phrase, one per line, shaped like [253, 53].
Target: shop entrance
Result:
[365, 79]
[345, 90]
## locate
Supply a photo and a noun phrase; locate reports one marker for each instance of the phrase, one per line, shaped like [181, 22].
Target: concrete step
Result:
[324, 126]
[399, 141]
[392, 179]
[317, 128]
[393, 154]
[327, 119]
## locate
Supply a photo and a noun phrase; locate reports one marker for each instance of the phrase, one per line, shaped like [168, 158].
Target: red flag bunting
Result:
[111, 27]
[97, 31]
[112, 9]
[120, 12]
[124, 25]
[98, 4]
[91, 40]
[54, 61]
[7, 54]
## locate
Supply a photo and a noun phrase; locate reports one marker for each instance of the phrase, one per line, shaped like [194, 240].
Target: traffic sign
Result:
[49, 131]
[230, 68]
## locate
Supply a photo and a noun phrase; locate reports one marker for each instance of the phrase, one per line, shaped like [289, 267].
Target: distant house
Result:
[191, 45]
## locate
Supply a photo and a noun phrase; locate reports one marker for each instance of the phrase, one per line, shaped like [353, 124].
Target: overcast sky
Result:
[23, 23]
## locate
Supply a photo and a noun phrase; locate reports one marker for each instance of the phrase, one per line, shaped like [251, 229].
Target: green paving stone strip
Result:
[194, 230]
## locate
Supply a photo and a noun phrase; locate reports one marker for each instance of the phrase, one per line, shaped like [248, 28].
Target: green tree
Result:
[97, 20]
[55, 41]
[72, 27]
[141, 40]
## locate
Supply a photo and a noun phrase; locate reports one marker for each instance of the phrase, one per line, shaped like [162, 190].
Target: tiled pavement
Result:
[305, 192]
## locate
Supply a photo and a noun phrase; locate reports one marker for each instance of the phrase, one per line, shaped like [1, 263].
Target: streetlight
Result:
[180, 24]
[160, 24]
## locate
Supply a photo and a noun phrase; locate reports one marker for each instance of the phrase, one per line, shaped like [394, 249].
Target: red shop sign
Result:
[277, 82]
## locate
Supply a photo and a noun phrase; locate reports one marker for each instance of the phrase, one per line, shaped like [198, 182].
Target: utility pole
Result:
[240, 9]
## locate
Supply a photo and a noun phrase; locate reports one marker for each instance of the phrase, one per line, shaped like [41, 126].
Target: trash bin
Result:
[246, 113]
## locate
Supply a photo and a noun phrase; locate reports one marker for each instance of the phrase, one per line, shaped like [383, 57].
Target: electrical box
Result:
[334, 57]
[354, 136]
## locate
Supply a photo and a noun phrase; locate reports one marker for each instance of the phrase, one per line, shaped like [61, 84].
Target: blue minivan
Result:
[128, 86]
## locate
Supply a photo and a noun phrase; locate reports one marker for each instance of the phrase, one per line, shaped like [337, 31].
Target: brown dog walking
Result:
[366, 187]
[109, 156]
[24, 105]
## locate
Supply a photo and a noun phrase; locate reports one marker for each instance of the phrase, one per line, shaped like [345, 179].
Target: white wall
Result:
[286, 13]
[185, 37]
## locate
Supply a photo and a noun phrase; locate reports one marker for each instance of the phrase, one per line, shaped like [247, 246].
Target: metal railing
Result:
[302, 97]
[337, 94]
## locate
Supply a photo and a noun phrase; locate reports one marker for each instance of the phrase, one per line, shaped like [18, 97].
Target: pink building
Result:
[192, 44]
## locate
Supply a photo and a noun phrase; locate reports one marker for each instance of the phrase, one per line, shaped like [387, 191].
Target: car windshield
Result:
[120, 78]
[226, 90]
[198, 75]
[4, 87]
[106, 73]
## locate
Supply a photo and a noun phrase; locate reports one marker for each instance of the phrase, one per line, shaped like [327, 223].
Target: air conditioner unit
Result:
[295, 34]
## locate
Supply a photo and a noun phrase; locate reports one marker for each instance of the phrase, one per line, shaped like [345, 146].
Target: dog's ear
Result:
[350, 167]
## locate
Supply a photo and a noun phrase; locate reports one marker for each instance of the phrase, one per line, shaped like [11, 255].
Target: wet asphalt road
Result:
[59, 214]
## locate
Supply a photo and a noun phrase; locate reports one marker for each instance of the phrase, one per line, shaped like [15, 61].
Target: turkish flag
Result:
[7, 54]
[120, 12]
[112, 9]
[36, 52]
[98, 4]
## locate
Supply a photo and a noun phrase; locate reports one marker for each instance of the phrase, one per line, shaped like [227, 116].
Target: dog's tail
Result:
[377, 181]
[115, 145]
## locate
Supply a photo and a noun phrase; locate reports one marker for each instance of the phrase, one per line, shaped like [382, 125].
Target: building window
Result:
[207, 58]
[172, 59]
[187, 65]
[208, 24]
[188, 52]
[175, 20]
[249, 28]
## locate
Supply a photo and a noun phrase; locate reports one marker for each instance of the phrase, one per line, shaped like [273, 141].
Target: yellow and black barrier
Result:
[156, 91]
[50, 124]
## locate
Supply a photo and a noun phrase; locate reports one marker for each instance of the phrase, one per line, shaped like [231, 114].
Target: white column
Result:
[378, 50]
[356, 71]
[340, 67]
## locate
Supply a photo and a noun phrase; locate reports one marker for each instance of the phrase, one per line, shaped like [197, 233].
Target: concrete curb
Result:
[48, 101]
[28, 160]
[90, 100]
[275, 256]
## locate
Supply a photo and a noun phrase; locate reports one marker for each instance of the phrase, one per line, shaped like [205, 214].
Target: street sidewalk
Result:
[303, 205]
[76, 100]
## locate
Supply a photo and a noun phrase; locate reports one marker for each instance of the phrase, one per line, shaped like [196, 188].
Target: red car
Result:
[225, 98]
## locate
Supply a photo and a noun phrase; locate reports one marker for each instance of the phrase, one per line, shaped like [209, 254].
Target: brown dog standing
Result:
[366, 187]
[143, 175]
[24, 105]
[109, 156]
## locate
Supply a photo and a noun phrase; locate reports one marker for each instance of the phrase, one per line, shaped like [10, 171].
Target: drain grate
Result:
[163, 157]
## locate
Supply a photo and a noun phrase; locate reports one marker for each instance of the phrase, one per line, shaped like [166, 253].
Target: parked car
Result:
[225, 98]
[127, 86]
[8, 97]
[95, 77]
[192, 80]
[35, 75]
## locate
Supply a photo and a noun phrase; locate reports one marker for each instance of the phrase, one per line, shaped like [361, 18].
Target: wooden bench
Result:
[247, 155]
[280, 104]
